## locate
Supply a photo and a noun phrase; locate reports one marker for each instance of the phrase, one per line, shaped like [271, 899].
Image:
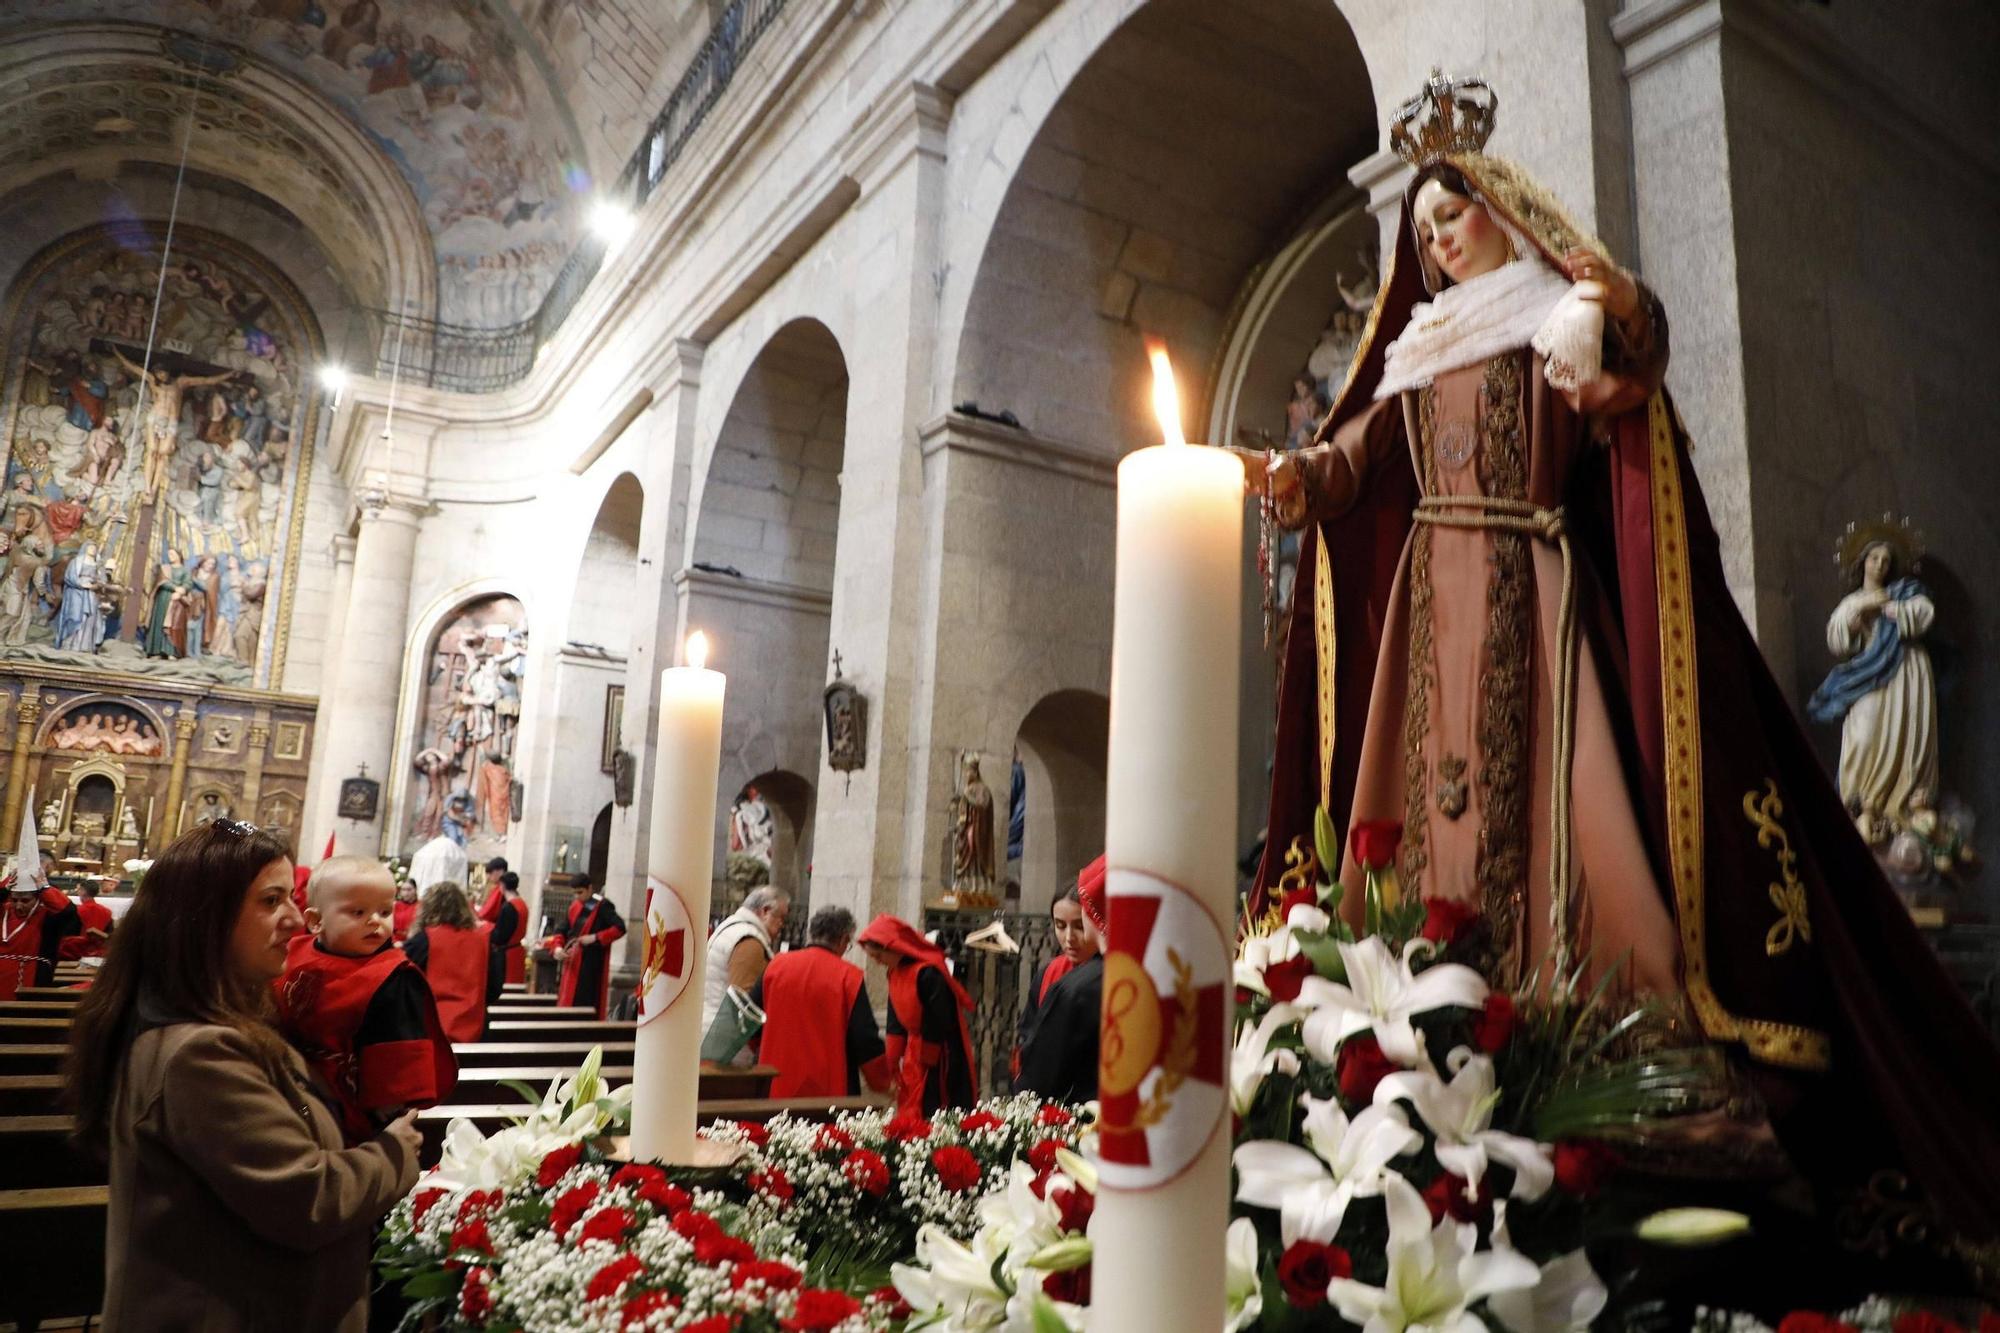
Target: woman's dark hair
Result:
[1068, 895]
[1445, 174]
[172, 949]
[446, 905]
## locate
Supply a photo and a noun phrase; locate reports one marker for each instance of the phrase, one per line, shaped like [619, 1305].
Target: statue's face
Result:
[1877, 565]
[1461, 237]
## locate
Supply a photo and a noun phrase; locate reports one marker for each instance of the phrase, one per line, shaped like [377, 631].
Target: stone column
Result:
[357, 715]
[26, 714]
[336, 628]
[184, 725]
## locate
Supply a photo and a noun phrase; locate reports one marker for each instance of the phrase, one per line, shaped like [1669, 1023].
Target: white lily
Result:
[1460, 1114]
[1435, 1273]
[1253, 1061]
[1311, 1190]
[1241, 1286]
[1383, 993]
[951, 1286]
[1567, 1298]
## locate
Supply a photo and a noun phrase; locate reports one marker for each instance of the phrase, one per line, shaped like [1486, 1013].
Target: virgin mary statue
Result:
[1512, 636]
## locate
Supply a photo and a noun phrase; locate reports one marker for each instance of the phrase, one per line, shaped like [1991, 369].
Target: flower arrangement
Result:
[1874, 1315]
[573, 1111]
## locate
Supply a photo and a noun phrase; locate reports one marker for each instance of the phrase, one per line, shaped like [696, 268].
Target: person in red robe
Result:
[1059, 1048]
[356, 1008]
[94, 922]
[460, 960]
[504, 911]
[1074, 945]
[929, 1044]
[583, 947]
[819, 1032]
[405, 913]
[33, 924]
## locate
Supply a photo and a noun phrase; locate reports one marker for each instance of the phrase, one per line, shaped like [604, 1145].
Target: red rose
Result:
[1071, 1285]
[892, 1300]
[1583, 1165]
[1297, 898]
[1809, 1321]
[635, 1311]
[1042, 1156]
[1053, 1115]
[1922, 1321]
[1360, 1066]
[611, 1279]
[776, 1276]
[772, 1181]
[424, 1201]
[832, 1138]
[570, 1206]
[715, 1323]
[1074, 1205]
[819, 1309]
[475, 1302]
[1307, 1268]
[606, 1224]
[1446, 918]
[979, 1120]
[903, 1128]
[1284, 979]
[720, 1247]
[866, 1171]
[557, 1165]
[664, 1198]
[638, 1175]
[957, 1169]
[1374, 841]
[1495, 1025]
[473, 1236]
[1446, 1194]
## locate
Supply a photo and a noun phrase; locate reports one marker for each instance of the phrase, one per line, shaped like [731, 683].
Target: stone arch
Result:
[792, 802]
[602, 604]
[1062, 747]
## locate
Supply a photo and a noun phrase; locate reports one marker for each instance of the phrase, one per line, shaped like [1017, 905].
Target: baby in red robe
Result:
[358, 1010]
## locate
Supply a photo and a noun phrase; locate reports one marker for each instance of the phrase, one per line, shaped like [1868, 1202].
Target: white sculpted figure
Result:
[751, 831]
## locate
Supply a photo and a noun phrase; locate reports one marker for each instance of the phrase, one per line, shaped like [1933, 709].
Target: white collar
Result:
[1471, 322]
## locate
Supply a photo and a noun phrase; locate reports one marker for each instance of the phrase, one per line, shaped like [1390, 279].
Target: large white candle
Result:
[666, 1056]
[1170, 834]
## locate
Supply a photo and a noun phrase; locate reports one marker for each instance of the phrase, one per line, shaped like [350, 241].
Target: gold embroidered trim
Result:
[1787, 894]
[1774, 1043]
[1324, 645]
[1417, 695]
[1502, 868]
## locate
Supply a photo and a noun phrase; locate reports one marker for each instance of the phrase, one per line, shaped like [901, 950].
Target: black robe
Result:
[1059, 1054]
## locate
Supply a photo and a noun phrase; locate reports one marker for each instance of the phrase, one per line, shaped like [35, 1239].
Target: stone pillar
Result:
[357, 715]
[184, 725]
[336, 627]
[26, 714]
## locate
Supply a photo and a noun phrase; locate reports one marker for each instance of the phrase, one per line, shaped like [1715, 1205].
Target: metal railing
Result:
[469, 360]
[998, 983]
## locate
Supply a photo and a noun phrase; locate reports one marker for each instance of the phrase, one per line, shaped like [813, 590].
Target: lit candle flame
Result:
[697, 650]
[1166, 399]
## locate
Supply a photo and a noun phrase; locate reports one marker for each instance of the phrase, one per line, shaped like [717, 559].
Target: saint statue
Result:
[1882, 692]
[751, 830]
[51, 820]
[1532, 663]
[80, 619]
[972, 830]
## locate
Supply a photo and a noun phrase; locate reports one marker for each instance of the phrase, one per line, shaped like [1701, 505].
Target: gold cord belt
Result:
[1497, 514]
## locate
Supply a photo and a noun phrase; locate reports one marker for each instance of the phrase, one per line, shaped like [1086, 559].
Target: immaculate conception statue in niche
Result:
[1532, 663]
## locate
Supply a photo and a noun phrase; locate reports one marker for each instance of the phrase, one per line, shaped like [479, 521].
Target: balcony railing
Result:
[468, 360]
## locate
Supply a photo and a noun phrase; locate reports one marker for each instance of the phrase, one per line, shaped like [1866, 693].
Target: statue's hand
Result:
[1621, 292]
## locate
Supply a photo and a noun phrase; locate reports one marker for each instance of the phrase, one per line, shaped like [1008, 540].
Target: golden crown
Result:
[1903, 538]
[1448, 116]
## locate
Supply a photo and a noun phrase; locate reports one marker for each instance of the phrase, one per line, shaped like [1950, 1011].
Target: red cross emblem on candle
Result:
[664, 974]
[1162, 1047]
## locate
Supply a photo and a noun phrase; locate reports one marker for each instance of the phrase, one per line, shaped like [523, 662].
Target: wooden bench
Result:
[33, 1031]
[485, 1084]
[474, 1054]
[68, 993]
[540, 1013]
[35, 1153]
[63, 1009]
[29, 1094]
[537, 1030]
[37, 1058]
[60, 1275]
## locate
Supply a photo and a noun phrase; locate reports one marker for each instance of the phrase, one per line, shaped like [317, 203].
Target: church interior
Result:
[392, 389]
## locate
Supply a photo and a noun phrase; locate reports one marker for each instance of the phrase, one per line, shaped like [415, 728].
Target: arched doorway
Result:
[600, 846]
[1061, 745]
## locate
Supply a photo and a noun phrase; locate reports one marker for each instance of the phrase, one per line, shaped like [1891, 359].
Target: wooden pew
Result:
[537, 1030]
[33, 1031]
[35, 1153]
[59, 1275]
[64, 1010]
[485, 1085]
[41, 1058]
[570, 1054]
[29, 1094]
[540, 1013]
[65, 993]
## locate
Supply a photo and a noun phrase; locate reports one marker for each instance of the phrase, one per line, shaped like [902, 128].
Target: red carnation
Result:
[638, 1175]
[1042, 1156]
[693, 1225]
[424, 1201]
[1284, 979]
[958, 1169]
[773, 1182]
[1446, 918]
[715, 1323]
[477, 1202]
[1446, 1194]
[866, 1171]
[475, 1302]
[1360, 1066]
[721, 1247]
[1922, 1321]
[1495, 1025]
[751, 1130]
[904, 1127]
[979, 1120]
[1297, 898]
[1583, 1165]
[819, 1309]
[664, 1198]
[635, 1311]
[557, 1165]
[1810, 1321]
[611, 1279]
[606, 1224]
[570, 1206]
[892, 1300]
[1307, 1268]
[776, 1276]
[473, 1236]
[1373, 842]
[1074, 1205]
[1071, 1285]
[1053, 1115]
[832, 1138]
